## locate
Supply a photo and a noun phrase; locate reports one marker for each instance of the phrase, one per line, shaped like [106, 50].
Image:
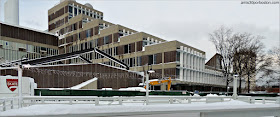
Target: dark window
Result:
[75, 11]
[80, 11]
[150, 59]
[86, 46]
[87, 13]
[106, 40]
[83, 12]
[145, 43]
[177, 72]
[70, 9]
[74, 27]
[79, 36]
[177, 56]
[127, 49]
[82, 46]
[90, 14]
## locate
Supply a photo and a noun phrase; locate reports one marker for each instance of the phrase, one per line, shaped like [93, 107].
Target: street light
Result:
[235, 87]
[147, 83]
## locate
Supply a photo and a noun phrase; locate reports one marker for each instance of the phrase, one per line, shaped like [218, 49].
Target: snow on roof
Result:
[79, 86]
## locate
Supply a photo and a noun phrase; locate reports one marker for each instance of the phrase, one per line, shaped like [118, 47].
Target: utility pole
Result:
[19, 86]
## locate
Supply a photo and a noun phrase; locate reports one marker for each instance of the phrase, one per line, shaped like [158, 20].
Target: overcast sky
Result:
[187, 21]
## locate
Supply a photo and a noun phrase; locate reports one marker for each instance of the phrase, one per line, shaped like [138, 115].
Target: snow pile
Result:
[56, 109]
[133, 89]
[196, 95]
[79, 86]
[211, 95]
[106, 89]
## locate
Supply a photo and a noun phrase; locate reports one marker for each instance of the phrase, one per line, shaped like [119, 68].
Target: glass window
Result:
[70, 9]
[80, 11]
[88, 33]
[75, 11]
[177, 56]
[155, 59]
[139, 60]
[145, 43]
[106, 40]
[150, 59]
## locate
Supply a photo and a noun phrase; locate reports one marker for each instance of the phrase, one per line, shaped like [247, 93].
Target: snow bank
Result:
[55, 109]
[211, 95]
[133, 89]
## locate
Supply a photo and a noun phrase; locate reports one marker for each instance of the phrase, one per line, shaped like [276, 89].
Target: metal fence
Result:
[7, 103]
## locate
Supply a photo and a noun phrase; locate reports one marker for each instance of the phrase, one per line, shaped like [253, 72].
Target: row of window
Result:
[74, 10]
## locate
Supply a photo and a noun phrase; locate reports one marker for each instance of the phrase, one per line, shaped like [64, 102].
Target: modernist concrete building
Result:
[81, 27]
[17, 42]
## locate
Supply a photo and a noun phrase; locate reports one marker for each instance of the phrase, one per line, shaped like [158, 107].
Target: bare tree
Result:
[269, 74]
[222, 39]
[238, 52]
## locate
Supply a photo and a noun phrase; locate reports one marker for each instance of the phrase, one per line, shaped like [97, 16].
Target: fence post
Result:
[189, 100]
[120, 100]
[4, 105]
[12, 104]
[71, 101]
[96, 101]
[171, 100]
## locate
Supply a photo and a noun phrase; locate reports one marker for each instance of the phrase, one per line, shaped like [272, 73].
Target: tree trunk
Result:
[240, 83]
[248, 82]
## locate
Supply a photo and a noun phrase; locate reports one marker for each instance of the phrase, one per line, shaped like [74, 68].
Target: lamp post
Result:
[235, 87]
[147, 84]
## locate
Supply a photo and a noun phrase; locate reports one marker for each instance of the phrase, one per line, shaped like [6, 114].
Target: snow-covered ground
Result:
[57, 109]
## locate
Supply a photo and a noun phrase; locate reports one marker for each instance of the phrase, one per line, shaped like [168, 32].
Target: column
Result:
[181, 62]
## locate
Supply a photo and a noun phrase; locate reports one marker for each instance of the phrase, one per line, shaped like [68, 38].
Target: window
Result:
[88, 33]
[150, 59]
[79, 36]
[127, 49]
[75, 11]
[74, 27]
[80, 11]
[139, 60]
[87, 13]
[83, 12]
[155, 59]
[145, 43]
[90, 14]
[96, 42]
[177, 56]
[70, 9]
[106, 40]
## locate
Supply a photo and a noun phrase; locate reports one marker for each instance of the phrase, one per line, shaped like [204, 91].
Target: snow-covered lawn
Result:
[56, 109]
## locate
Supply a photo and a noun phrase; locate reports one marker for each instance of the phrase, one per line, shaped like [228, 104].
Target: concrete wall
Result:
[11, 12]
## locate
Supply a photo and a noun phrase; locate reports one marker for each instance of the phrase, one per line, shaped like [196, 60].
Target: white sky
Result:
[188, 21]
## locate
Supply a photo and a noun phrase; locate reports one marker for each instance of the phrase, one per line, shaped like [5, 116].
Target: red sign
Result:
[12, 84]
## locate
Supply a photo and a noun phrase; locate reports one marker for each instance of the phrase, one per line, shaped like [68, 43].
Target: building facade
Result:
[17, 42]
[81, 27]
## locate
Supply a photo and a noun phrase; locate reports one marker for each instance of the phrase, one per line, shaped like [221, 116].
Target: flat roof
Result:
[32, 29]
